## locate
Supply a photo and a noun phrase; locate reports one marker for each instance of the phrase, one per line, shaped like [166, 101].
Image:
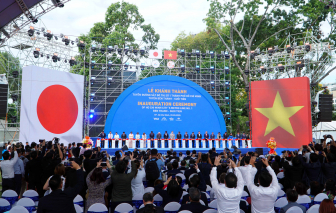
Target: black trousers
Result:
[102, 144]
[152, 143]
[37, 186]
[159, 144]
[214, 144]
[186, 143]
[17, 183]
[166, 143]
[116, 143]
[7, 183]
[137, 144]
[180, 143]
[193, 144]
[123, 142]
[110, 143]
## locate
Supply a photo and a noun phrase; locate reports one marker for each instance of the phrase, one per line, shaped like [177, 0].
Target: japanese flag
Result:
[51, 105]
[157, 54]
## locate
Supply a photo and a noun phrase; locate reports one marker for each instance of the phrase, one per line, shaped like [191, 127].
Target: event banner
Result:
[281, 109]
[165, 103]
[51, 105]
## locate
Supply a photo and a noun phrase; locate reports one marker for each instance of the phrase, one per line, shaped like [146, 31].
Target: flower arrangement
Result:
[87, 140]
[272, 145]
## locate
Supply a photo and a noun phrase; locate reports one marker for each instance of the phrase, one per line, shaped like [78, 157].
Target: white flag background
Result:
[157, 54]
[51, 105]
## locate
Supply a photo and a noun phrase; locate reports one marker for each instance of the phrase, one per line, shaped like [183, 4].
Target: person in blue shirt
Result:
[4, 150]
[18, 173]
[232, 140]
[154, 155]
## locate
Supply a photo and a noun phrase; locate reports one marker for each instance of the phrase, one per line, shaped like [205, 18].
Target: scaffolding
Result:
[113, 69]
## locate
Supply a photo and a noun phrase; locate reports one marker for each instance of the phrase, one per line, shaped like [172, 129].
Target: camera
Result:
[57, 140]
[103, 164]
[328, 136]
[41, 140]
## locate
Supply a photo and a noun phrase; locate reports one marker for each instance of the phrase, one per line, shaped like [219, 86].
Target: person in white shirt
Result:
[130, 142]
[264, 196]
[221, 184]
[137, 184]
[116, 139]
[137, 137]
[144, 139]
[243, 169]
[110, 137]
[7, 167]
[228, 196]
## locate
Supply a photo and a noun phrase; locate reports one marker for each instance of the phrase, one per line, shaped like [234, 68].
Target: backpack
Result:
[152, 170]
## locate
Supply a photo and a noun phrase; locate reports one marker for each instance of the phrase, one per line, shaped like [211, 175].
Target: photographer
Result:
[52, 158]
[7, 167]
[90, 162]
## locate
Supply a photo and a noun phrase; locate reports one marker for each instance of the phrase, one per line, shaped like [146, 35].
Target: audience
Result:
[330, 189]
[327, 206]
[140, 174]
[172, 194]
[19, 172]
[148, 201]
[59, 170]
[292, 197]
[194, 205]
[7, 168]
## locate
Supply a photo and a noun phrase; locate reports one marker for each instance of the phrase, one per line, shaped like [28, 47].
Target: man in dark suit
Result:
[123, 139]
[194, 205]
[148, 201]
[186, 136]
[292, 197]
[175, 169]
[199, 137]
[192, 136]
[225, 135]
[27, 146]
[151, 137]
[166, 136]
[213, 137]
[238, 136]
[102, 136]
[158, 137]
[313, 169]
[206, 137]
[58, 200]
[179, 137]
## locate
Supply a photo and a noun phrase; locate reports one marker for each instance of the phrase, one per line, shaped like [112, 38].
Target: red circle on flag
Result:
[57, 109]
[155, 54]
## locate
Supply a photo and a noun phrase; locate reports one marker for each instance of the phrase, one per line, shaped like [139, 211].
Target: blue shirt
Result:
[160, 165]
[19, 168]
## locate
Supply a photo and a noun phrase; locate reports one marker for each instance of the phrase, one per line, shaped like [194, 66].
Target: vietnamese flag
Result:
[281, 109]
[170, 55]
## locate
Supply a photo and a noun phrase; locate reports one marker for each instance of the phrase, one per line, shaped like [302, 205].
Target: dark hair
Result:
[275, 167]
[265, 179]
[327, 206]
[71, 178]
[87, 153]
[231, 180]
[213, 149]
[292, 195]
[318, 147]
[191, 161]
[330, 186]
[173, 188]
[179, 180]
[55, 182]
[5, 155]
[330, 157]
[204, 157]
[97, 176]
[247, 160]
[147, 197]
[169, 166]
[194, 151]
[137, 164]
[174, 154]
[194, 181]
[188, 152]
[59, 170]
[183, 163]
[222, 177]
[313, 157]
[175, 164]
[154, 152]
[121, 166]
[117, 154]
[315, 188]
[194, 194]
[296, 161]
[300, 188]
[33, 154]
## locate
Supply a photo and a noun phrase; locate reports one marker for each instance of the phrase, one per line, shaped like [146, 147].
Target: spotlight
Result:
[15, 74]
[270, 51]
[66, 40]
[57, 3]
[189, 55]
[65, 61]
[135, 52]
[49, 35]
[91, 113]
[212, 83]
[263, 69]
[198, 53]
[48, 56]
[72, 42]
[92, 96]
[56, 37]
[212, 69]
[126, 50]
[212, 54]
[307, 47]
[87, 64]
[227, 70]
[119, 51]
[247, 88]
[299, 64]
[35, 21]
[93, 48]
[55, 57]
[31, 31]
[227, 55]
[247, 72]
[126, 65]
[227, 101]
[142, 66]
[41, 54]
[72, 61]
[203, 55]
[109, 80]
[109, 49]
[102, 50]
[142, 51]
[198, 68]
[14, 97]
[182, 68]
[37, 52]
[289, 48]
[227, 84]
[182, 52]
[281, 67]
[92, 80]
[81, 45]
[227, 115]
[109, 65]
[93, 64]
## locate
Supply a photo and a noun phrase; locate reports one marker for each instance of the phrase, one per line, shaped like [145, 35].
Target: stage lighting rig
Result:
[81, 45]
[247, 72]
[227, 115]
[119, 50]
[198, 53]
[281, 67]
[227, 55]
[270, 51]
[102, 50]
[36, 52]
[219, 56]
[91, 113]
[299, 64]
[109, 80]
[31, 31]
[189, 55]
[307, 47]
[93, 48]
[92, 96]
[227, 84]
[55, 57]
[109, 49]
[126, 65]
[48, 35]
[182, 68]
[212, 69]
[182, 53]
[92, 80]
[72, 61]
[288, 48]
[227, 70]
[66, 40]
[109, 65]
[142, 51]
[135, 52]
[14, 97]
[262, 69]
[87, 64]
[203, 55]
[15, 74]
[142, 66]
[212, 54]
[57, 3]
[93, 63]
[198, 69]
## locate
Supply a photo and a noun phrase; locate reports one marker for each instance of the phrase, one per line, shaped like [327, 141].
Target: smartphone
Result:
[103, 164]
[328, 136]
[41, 140]
[222, 156]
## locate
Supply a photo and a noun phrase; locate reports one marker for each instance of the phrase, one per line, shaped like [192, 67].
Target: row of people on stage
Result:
[244, 137]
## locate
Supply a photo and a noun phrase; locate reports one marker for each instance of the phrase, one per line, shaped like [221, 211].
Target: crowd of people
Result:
[59, 173]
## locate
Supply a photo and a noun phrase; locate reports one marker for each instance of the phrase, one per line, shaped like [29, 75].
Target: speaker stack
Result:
[3, 100]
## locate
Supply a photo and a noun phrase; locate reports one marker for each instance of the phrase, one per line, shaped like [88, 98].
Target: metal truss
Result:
[114, 69]
[28, 16]
[23, 50]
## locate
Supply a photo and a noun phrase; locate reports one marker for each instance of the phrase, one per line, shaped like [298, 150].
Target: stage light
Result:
[263, 69]
[49, 35]
[212, 54]
[142, 66]
[270, 51]
[93, 63]
[126, 65]
[48, 56]
[182, 53]
[36, 52]
[276, 48]
[66, 40]
[189, 55]
[299, 64]
[92, 80]
[92, 97]
[227, 115]
[247, 123]
[281, 67]
[14, 97]
[247, 88]
[109, 49]
[41, 55]
[65, 61]
[93, 48]
[198, 53]
[15, 74]
[72, 42]
[57, 3]
[142, 51]
[35, 21]
[126, 50]
[227, 84]
[182, 68]
[31, 31]
[227, 55]
[109, 65]
[72, 61]
[203, 55]
[56, 37]
[81, 45]
[102, 50]
[212, 69]
[109, 80]
[55, 57]
[91, 113]
[219, 56]
[198, 68]
[252, 54]
[227, 70]
[135, 52]
[307, 47]
[212, 83]
[289, 48]
[87, 64]
[247, 72]
[227, 101]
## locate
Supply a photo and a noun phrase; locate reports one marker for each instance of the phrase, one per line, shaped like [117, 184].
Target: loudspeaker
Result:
[326, 108]
[260, 151]
[3, 100]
